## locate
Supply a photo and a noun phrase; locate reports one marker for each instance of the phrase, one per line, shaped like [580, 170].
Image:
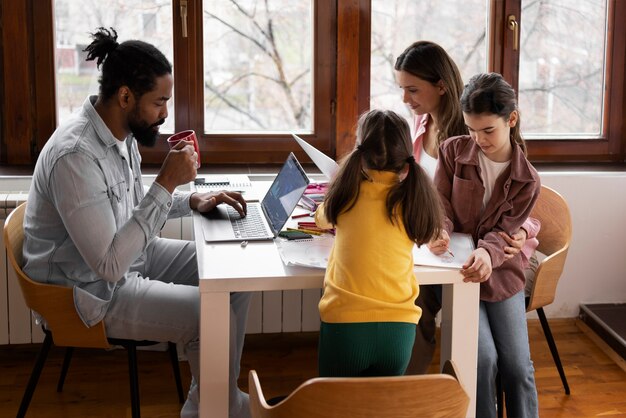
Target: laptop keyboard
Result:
[251, 226]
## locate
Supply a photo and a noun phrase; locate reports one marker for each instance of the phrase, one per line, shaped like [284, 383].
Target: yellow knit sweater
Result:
[370, 270]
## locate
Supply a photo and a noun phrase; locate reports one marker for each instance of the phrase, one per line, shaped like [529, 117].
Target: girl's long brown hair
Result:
[384, 144]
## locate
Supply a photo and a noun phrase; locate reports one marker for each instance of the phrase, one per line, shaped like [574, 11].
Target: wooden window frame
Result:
[28, 96]
[610, 147]
[34, 49]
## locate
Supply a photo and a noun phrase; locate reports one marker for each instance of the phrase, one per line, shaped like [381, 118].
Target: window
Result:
[565, 60]
[246, 72]
[562, 68]
[396, 24]
[258, 75]
[77, 78]
[336, 59]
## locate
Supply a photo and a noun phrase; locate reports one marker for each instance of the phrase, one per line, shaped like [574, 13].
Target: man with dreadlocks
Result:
[91, 226]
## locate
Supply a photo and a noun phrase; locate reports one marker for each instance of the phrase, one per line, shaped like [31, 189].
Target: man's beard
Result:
[146, 135]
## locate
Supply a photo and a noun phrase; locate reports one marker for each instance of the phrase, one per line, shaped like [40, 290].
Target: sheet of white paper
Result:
[461, 246]
[308, 253]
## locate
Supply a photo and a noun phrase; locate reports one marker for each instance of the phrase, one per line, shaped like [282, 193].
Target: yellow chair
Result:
[433, 396]
[63, 326]
[554, 238]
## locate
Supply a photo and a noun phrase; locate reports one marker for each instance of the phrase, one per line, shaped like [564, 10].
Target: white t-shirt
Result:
[428, 163]
[121, 145]
[489, 172]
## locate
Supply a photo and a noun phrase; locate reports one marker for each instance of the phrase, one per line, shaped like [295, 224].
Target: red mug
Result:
[188, 135]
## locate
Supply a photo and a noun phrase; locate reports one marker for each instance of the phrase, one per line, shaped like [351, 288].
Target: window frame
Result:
[610, 146]
[342, 54]
[188, 86]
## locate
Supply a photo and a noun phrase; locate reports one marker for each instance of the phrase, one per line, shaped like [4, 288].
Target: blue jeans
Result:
[503, 347]
[162, 303]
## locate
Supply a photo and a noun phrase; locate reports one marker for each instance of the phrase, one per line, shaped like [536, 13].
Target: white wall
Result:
[595, 270]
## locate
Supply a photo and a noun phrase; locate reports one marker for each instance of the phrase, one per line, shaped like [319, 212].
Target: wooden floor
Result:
[97, 383]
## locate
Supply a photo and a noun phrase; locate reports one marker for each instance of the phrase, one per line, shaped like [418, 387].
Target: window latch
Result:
[514, 26]
[183, 16]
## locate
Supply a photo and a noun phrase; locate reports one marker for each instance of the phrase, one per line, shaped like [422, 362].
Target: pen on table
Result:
[302, 215]
[305, 224]
[449, 252]
[307, 231]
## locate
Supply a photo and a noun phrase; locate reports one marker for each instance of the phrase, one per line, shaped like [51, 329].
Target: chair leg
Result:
[34, 376]
[171, 347]
[134, 380]
[66, 365]
[499, 396]
[553, 349]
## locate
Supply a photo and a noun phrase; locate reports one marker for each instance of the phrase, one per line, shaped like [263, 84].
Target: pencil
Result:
[449, 252]
[302, 215]
[307, 231]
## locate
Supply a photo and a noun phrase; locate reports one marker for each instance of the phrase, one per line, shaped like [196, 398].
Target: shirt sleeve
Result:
[532, 227]
[320, 218]
[444, 174]
[180, 204]
[84, 201]
[522, 204]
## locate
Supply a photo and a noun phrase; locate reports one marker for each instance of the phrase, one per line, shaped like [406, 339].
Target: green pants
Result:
[365, 348]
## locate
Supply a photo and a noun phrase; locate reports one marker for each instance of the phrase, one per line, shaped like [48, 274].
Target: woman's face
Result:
[421, 95]
[492, 134]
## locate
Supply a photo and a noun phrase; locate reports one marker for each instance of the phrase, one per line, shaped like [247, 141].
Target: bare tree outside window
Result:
[457, 25]
[257, 65]
[147, 20]
[562, 61]
[562, 56]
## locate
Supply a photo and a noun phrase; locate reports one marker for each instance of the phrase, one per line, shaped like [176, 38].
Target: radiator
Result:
[270, 312]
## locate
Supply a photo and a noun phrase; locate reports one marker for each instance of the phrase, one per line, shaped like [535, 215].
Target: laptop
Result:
[264, 219]
[327, 165]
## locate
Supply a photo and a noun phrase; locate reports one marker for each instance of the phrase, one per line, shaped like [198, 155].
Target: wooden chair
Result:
[554, 239]
[63, 325]
[434, 396]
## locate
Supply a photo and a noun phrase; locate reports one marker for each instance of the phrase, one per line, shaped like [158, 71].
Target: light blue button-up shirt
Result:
[82, 226]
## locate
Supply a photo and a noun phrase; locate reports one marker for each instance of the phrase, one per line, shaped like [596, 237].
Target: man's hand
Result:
[515, 241]
[205, 202]
[440, 245]
[179, 166]
[477, 268]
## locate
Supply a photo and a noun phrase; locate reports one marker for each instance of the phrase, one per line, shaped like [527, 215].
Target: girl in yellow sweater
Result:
[381, 203]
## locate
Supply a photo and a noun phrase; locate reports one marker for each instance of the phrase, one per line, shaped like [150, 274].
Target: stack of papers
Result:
[461, 245]
[315, 252]
[308, 253]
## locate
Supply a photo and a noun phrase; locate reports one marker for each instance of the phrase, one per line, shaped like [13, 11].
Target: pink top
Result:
[419, 127]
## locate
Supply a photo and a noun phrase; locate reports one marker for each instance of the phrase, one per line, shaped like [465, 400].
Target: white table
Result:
[228, 267]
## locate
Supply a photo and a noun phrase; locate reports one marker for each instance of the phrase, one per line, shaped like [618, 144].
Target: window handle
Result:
[183, 16]
[514, 26]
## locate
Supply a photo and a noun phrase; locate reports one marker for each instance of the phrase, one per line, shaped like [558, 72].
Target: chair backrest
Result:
[554, 239]
[54, 303]
[433, 396]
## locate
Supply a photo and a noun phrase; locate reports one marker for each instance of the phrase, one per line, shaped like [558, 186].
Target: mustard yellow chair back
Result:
[54, 303]
[554, 240]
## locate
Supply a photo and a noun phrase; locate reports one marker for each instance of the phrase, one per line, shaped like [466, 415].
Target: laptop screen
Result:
[285, 192]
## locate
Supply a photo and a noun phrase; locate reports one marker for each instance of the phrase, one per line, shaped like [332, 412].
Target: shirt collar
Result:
[421, 122]
[103, 131]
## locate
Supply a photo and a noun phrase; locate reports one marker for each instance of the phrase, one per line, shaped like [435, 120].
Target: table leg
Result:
[214, 342]
[459, 334]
